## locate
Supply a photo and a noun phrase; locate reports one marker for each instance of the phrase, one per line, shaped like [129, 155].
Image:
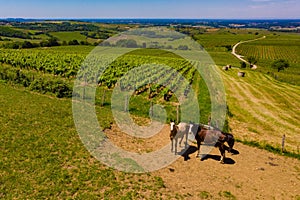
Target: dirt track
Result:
[251, 174]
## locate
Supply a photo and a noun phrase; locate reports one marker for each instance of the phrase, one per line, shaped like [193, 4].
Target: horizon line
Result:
[138, 18]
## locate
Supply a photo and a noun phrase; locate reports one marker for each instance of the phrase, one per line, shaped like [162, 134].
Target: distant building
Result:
[237, 25]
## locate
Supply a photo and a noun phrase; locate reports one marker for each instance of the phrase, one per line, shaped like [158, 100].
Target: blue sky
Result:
[241, 9]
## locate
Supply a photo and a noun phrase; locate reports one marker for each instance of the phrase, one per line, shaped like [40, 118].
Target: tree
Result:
[49, 43]
[228, 47]
[53, 42]
[73, 42]
[27, 44]
[252, 60]
[243, 65]
[280, 64]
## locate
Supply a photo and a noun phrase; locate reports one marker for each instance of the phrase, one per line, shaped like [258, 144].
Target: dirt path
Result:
[240, 57]
[251, 174]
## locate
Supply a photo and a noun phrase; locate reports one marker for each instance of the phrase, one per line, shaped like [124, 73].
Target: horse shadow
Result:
[232, 151]
[186, 154]
[228, 161]
[192, 149]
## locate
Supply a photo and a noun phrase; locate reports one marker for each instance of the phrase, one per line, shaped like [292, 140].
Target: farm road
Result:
[240, 57]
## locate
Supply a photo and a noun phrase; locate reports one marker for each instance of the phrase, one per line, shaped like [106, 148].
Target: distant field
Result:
[219, 43]
[283, 46]
[67, 36]
[216, 41]
[72, 35]
[224, 58]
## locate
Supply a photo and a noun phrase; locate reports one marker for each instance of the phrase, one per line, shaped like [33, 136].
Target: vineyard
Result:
[269, 50]
[154, 75]
[272, 48]
[41, 60]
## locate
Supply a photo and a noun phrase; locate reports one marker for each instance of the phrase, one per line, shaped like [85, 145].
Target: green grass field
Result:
[217, 40]
[68, 36]
[43, 157]
[72, 35]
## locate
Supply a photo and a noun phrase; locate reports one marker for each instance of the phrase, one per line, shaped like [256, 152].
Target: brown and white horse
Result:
[212, 137]
[178, 131]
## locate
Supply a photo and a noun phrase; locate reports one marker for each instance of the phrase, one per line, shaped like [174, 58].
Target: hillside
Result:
[43, 157]
[263, 109]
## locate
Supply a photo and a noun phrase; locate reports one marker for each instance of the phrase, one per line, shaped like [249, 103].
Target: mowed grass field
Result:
[263, 108]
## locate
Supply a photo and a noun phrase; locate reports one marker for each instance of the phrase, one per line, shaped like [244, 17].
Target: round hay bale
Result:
[241, 74]
[254, 67]
[225, 68]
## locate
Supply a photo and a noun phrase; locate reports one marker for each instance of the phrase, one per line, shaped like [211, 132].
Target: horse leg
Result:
[172, 143]
[181, 139]
[222, 151]
[229, 150]
[231, 146]
[186, 140]
[198, 148]
[176, 141]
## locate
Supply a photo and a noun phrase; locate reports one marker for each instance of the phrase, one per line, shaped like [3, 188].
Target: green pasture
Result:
[71, 35]
[68, 36]
[217, 40]
[43, 157]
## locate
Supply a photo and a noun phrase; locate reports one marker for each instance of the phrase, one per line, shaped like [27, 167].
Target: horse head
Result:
[173, 130]
[193, 128]
[230, 141]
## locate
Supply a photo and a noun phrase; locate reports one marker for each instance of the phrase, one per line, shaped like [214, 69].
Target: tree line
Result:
[45, 43]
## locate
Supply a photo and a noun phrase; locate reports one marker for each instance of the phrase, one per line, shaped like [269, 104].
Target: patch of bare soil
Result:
[249, 174]
[138, 145]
